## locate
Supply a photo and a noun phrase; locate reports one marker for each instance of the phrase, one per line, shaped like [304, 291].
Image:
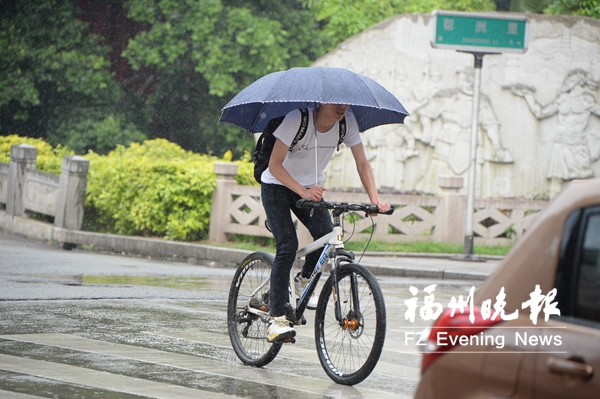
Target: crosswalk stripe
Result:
[16, 395]
[199, 364]
[101, 379]
[295, 352]
[396, 346]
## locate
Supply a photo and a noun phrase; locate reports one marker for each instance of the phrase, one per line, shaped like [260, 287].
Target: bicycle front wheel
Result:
[349, 349]
[248, 331]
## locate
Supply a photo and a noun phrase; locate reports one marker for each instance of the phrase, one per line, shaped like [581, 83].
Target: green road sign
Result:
[474, 32]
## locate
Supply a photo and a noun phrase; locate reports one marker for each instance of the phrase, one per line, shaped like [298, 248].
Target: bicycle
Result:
[350, 318]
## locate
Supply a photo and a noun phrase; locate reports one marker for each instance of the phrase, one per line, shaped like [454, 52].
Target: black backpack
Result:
[266, 141]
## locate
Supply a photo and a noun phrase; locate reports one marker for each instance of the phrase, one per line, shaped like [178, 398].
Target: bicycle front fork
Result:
[345, 257]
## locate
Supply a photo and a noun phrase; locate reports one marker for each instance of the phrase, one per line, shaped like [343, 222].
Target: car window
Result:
[587, 305]
[578, 269]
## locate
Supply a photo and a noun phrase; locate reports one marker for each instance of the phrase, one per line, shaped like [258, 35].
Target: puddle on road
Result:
[179, 283]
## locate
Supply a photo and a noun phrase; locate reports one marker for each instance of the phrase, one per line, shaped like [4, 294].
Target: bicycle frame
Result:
[333, 252]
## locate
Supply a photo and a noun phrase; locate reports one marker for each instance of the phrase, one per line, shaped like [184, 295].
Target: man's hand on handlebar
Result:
[315, 193]
[370, 209]
[383, 207]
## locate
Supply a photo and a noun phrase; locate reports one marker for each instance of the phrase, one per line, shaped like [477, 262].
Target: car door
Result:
[570, 368]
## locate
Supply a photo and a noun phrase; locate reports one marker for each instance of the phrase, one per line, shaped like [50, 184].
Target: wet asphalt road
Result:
[79, 324]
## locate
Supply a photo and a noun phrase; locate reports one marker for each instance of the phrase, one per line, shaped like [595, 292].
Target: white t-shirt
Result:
[300, 163]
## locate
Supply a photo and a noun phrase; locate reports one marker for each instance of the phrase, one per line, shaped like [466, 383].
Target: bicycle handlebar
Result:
[369, 209]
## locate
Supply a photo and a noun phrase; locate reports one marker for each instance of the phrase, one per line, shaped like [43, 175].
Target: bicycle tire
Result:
[247, 331]
[349, 354]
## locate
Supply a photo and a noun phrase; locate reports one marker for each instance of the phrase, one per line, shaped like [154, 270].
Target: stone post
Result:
[22, 157]
[452, 209]
[221, 198]
[71, 193]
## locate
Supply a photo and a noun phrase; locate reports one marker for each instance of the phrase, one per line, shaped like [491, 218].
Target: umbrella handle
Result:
[316, 147]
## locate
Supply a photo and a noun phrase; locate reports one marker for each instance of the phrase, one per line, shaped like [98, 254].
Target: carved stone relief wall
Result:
[539, 115]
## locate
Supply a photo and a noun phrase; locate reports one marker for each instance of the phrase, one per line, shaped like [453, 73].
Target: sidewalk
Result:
[433, 266]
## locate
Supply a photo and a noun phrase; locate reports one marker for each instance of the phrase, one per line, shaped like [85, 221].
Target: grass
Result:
[425, 247]
[268, 245]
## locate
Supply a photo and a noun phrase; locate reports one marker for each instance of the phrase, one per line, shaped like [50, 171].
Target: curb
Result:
[158, 248]
[424, 273]
[154, 247]
[426, 255]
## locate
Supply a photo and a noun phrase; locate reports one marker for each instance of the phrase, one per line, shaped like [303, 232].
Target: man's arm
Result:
[366, 176]
[280, 150]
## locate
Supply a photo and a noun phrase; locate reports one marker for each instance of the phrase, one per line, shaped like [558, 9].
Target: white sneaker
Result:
[300, 284]
[279, 329]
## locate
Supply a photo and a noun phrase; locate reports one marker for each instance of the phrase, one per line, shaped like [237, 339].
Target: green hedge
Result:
[48, 159]
[153, 188]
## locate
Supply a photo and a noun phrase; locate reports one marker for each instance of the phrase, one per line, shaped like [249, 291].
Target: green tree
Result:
[344, 18]
[536, 6]
[55, 80]
[588, 8]
[202, 53]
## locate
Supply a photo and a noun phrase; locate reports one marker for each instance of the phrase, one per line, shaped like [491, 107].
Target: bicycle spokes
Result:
[349, 346]
[247, 311]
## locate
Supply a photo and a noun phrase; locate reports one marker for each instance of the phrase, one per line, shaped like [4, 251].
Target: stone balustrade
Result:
[24, 189]
[238, 209]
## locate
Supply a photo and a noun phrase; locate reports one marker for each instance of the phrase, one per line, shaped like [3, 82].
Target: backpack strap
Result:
[343, 131]
[304, 127]
[301, 129]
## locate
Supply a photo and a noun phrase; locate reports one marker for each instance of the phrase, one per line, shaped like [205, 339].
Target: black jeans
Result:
[278, 201]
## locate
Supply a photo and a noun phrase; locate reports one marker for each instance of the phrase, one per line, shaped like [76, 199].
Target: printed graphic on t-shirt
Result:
[302, 151]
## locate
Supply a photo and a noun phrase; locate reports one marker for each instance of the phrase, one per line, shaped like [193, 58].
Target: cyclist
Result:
[290, 177]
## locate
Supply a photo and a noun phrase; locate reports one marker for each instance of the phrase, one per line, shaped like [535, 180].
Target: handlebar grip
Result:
[304, 203]
[375, 210]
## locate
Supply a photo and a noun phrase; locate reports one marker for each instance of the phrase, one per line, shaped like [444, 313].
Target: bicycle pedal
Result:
[285, 341]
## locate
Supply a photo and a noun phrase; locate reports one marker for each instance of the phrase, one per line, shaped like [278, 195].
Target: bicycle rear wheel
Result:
[248, 331]
[349, 352]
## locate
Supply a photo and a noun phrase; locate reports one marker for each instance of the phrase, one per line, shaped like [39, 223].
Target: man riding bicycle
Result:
[290, 177]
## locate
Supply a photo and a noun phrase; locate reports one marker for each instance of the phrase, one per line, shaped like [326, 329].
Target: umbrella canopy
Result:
[278, 93]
